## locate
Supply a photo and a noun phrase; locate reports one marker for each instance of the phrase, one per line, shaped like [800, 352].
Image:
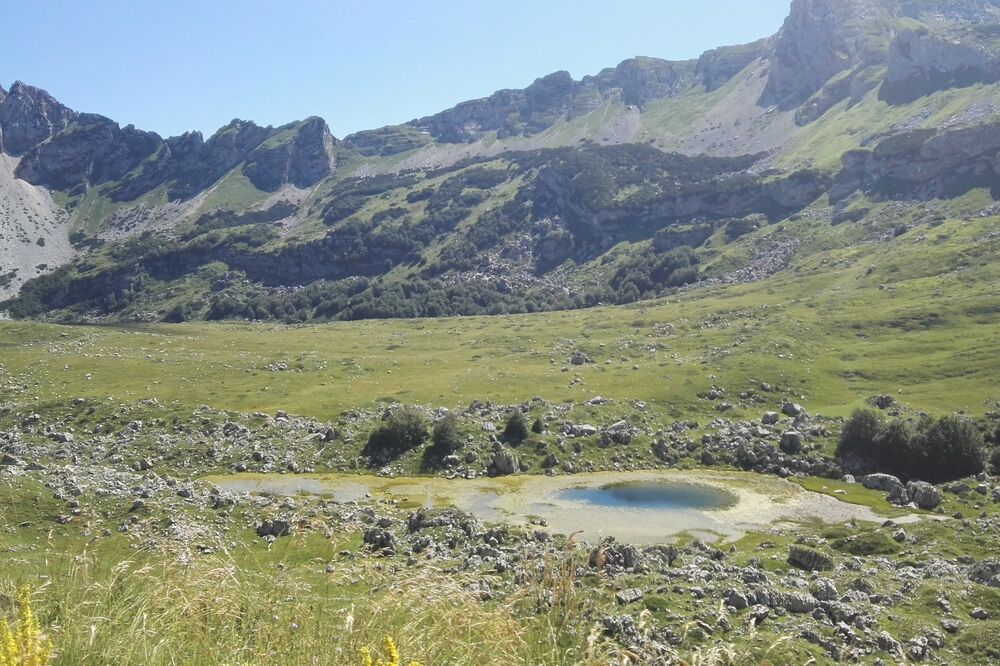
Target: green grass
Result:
[829, 331]
[852, 493]
[233, 192]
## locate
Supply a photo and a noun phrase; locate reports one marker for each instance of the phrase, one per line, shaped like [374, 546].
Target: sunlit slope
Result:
[917, 316]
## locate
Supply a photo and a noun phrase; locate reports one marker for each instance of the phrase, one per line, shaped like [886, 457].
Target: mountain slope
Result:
[623, 185]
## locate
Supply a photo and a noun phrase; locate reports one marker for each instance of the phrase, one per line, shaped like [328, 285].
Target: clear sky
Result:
[172, 66]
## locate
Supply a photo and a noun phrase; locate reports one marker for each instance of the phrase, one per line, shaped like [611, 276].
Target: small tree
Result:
[952, 448]
[446, 437]
[538, 427]
[859, 433]
[995, 461]
[896, 447]
[402, 431]
[516, 429]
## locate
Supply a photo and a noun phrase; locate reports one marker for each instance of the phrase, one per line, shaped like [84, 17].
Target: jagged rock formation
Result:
[924, 163]
[506, 191]
[29, 116]
[819, 39]
[64, 150]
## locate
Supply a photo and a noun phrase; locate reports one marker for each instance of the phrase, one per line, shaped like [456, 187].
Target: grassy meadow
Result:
[915, 316]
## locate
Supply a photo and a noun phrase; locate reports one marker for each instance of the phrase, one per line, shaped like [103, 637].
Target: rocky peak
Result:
[717, 67]
[92, 150]
[642, 80]
[299, 154]
[28, 116]
[819, 39]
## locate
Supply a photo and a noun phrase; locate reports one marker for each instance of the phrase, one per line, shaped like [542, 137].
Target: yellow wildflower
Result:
[391, 651]
[24, 644]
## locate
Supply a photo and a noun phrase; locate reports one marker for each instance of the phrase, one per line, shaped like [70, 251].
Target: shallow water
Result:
[636, 507]
[650, 496]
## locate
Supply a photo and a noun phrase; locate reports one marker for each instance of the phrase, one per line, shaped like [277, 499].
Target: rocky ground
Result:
[34, 231]
[851, 593]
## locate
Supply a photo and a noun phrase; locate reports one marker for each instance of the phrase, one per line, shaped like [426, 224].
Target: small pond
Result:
[650, 495]
[635, 507]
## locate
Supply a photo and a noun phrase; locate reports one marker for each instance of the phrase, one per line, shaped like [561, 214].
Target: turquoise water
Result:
[649, 495]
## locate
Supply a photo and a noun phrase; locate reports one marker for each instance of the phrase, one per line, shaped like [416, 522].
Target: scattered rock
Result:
[808, 558]
[629, 596]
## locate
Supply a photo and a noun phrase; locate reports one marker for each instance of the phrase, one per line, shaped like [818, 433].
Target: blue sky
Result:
[196, 64]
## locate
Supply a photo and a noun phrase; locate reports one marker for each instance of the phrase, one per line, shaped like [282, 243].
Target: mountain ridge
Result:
[849, 101]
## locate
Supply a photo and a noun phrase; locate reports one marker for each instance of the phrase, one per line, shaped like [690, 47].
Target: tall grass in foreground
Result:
[170, 608]
[161, 608]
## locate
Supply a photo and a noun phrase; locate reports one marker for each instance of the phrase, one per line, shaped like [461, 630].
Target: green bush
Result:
[403, 431]
[995, 461]
[516, 429]
[934, 450]
[446, 436]
[859, 432]
[446, 439]
[872, 543]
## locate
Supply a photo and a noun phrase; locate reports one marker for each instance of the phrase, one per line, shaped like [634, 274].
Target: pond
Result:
[636, 507]
[650, 496]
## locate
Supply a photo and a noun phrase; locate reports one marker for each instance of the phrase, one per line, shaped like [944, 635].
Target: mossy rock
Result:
[871, 543]
[809, 559]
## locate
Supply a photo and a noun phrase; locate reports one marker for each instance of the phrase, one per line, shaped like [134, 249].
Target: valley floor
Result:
[117, 445]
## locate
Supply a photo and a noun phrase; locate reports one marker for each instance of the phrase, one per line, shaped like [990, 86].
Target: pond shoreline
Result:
[757, 501]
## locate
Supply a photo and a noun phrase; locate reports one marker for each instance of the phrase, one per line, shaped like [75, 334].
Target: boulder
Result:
[884, 482]
[923, 494]
[274, 528]
[504, 462]
[986, 572]
[824, 589]
[770, 418]
[791, 409]
[809, 559]
[979, 614]
[791, 442]
[799, 603]
[380, 539]
[736, 599]
[629, 596]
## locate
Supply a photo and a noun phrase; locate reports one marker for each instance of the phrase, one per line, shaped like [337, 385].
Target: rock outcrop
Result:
[28, 116]
[925, 162]
[636, 81]
[717, 67]
[300, 154]
[922, 61]
[819, 39]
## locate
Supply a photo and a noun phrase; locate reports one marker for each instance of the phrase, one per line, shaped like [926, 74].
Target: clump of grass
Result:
[24, 643]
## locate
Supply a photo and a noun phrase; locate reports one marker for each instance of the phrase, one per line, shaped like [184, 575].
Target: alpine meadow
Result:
[683, 362]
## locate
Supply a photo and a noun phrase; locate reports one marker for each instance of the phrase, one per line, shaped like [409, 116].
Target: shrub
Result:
[516, 429]
[934, 450]
[859, 432]
[995, 461]
[24, 644]
[952, 448]
[401, 432]
[538, 427]
[446, 440]
[446, 437]
[895, 446]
